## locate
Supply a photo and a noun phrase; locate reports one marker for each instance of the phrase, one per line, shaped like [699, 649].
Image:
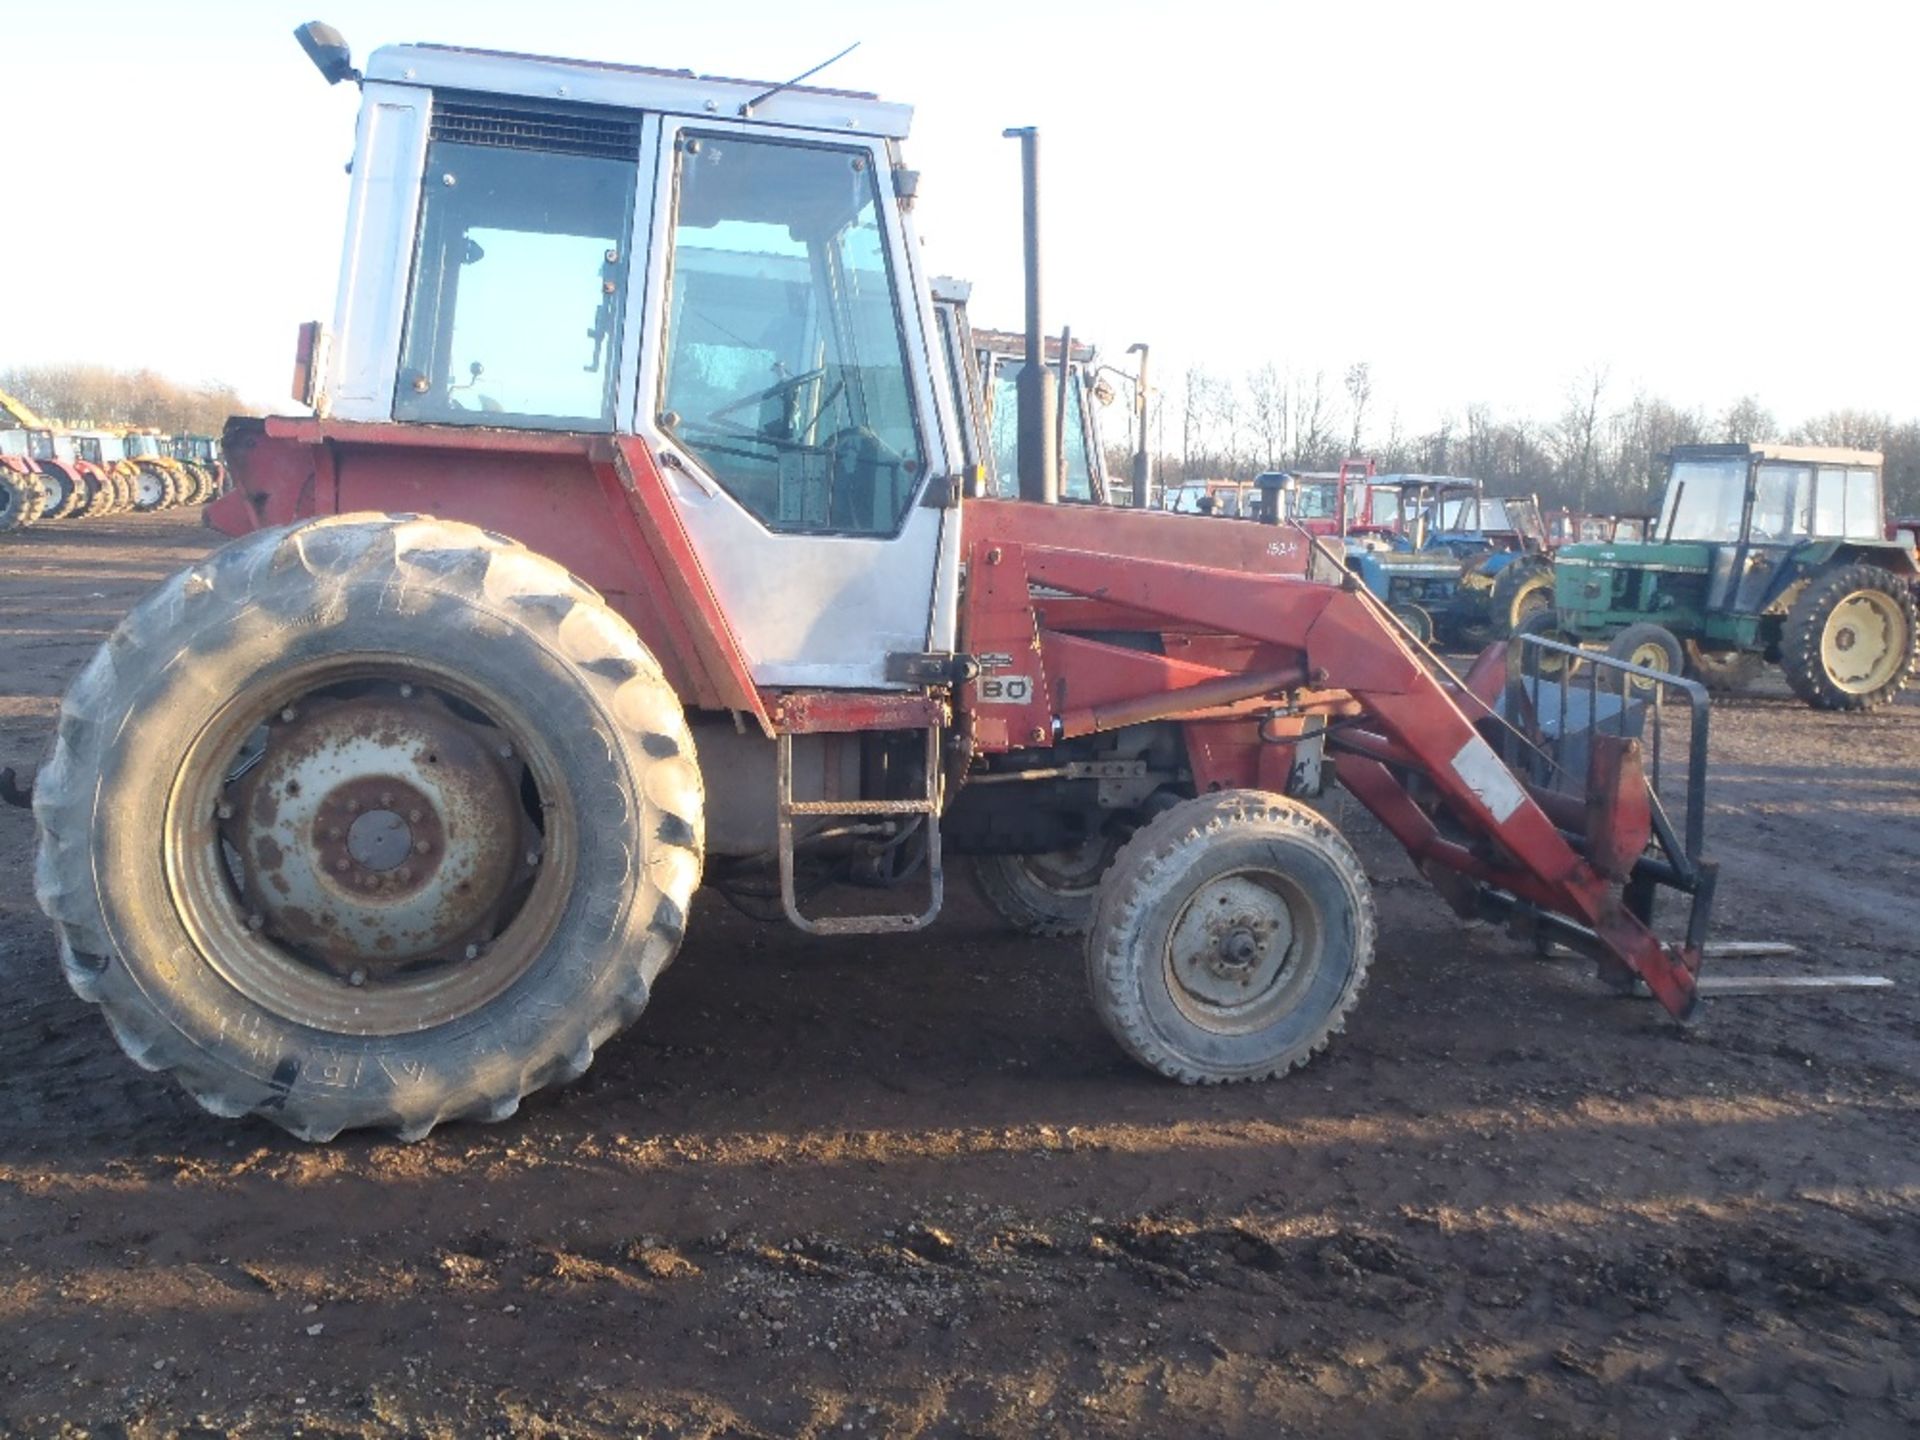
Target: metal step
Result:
[927, 805]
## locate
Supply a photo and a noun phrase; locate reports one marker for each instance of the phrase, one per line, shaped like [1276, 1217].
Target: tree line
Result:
[98, 397]
[1600, 453]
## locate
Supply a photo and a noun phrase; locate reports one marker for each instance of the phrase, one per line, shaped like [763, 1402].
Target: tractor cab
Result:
[1001, 356]
[1232, 499]
[1774, 553]
[148, 446]
[1329, 503]
[99, 447]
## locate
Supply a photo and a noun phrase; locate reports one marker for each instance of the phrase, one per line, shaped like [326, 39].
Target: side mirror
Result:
[327, 48]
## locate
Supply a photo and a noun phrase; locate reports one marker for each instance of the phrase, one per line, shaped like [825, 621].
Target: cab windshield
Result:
[1003, 421]
[1704, 500]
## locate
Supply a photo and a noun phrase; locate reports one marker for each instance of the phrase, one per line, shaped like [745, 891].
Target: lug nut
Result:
[533, 857]
[406, 692]
[341, 864]
[403, 874]
[288, 714]
[386, 798]
[256, 922]
[358, 977]
[421, 847]
[413, 817]
[333, 832]
[223, 810]
[506, 752]
[473, 952]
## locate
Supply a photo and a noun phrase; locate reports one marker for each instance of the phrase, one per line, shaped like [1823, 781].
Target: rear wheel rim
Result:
[1863, 645]
[1242, 951]
[370, 847]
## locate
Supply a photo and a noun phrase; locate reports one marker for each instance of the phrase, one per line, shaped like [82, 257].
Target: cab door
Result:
[786, 383]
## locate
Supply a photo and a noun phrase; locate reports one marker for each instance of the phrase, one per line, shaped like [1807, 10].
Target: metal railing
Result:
[1558, 695]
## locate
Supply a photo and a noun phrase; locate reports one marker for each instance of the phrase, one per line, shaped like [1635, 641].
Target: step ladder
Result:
[927, 805]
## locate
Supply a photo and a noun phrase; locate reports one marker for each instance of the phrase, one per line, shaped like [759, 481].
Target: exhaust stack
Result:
[1039, 456]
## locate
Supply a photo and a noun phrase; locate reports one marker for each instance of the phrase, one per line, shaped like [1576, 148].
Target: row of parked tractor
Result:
[1760, 555]
[49, 473]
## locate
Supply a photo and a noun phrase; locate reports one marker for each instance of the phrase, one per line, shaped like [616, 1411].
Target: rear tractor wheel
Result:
[23, 498]
[1848, 641]
[152, 489]
[401, 824]
[1230, 938]
[1520, 591]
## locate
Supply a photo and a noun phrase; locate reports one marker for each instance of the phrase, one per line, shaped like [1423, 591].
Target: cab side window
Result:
[520, 270]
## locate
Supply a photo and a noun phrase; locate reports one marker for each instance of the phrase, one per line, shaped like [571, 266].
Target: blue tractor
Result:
[1456, 566]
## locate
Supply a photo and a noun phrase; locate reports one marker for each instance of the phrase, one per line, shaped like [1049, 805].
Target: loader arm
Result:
[1411, 741]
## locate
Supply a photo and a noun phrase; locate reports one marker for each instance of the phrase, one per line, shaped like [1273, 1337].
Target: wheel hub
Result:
[1233, 944]
[378, 832]
[1864, 642]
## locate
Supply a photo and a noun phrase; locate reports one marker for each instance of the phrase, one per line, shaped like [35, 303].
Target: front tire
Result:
[1652, 647]
[371, 821]
[1230, 938]
[1848, 641]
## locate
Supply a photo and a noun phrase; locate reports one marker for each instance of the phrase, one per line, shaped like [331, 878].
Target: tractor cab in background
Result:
[1001, 356]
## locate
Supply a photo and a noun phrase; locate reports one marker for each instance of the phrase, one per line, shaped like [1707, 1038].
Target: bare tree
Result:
[1747, 421]
[90, 397]
[1577, 434]
[1312, 425]
[1267, 413]
[1359, 391]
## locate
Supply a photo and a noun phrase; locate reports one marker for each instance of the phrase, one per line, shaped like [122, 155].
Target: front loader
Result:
[392, 811]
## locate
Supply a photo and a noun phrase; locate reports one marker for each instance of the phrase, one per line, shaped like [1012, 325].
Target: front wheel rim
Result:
[1242, 951]
[370, 847]
[1862, 645]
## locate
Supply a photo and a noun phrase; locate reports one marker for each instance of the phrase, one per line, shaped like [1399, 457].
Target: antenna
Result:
[746, 110]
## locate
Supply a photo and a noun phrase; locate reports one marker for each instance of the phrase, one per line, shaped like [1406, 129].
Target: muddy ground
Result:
[910, 1188]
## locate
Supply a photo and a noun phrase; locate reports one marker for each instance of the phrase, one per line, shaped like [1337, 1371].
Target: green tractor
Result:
[1763, 554]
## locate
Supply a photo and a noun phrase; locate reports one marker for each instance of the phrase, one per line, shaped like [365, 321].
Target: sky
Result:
[1483, 201]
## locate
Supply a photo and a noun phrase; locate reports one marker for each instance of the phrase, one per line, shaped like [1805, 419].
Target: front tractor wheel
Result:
[371, 821]
[1651, 647]
[1230, 938]
[1848, 641]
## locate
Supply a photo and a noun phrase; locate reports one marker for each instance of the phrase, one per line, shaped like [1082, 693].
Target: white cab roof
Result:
[634, 87]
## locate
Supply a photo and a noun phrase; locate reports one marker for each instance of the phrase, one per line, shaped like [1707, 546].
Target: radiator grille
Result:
[564, 130]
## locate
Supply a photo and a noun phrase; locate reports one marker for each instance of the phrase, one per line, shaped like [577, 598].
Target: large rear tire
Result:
[1522, 588]
[372, 821]
[1848, 642]
[1230, 938]
[23, 498]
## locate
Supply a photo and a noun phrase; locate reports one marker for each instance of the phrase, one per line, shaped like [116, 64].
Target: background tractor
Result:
[1764, 554]
[392, 811]
[1455, 565]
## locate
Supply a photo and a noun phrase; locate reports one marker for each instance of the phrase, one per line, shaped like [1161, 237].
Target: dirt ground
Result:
[911, 1188]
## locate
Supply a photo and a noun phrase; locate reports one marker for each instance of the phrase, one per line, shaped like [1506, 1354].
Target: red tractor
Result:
[628, 550]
